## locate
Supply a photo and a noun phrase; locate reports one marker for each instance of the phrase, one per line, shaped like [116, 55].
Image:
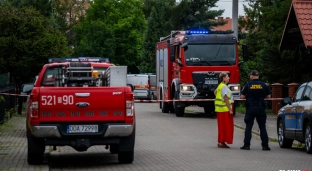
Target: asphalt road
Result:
[163, 142]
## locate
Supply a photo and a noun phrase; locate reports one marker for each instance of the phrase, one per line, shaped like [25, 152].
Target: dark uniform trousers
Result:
[258, 112]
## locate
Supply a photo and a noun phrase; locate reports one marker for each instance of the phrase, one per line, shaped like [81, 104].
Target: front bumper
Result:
[106, 130]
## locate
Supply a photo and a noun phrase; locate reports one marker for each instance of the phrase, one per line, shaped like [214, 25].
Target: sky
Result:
[227, 6]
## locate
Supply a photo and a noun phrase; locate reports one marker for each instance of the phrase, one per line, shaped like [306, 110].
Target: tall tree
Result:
[126, 20]
[149, 4]
[27, 41]
[190, 14]
[44, 6]
[266, 22]
[96, 39]
[159, 25]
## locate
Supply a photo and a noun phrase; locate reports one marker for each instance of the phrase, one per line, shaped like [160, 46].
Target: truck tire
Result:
[234, 108]
[113, 148]
[282, 140]
[126, 157]
[210, 110]
[308, 138]
[126, 149]
[163, 105]
[179, 111]
[35, 150]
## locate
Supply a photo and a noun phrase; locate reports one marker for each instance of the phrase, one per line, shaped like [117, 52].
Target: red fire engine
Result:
[188, 64]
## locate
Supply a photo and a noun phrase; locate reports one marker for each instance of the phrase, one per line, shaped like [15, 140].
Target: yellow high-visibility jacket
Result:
[220, 105]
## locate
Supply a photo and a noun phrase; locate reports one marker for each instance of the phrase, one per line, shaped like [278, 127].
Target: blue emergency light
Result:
[79, 59]
[189, 32]
[197, 32]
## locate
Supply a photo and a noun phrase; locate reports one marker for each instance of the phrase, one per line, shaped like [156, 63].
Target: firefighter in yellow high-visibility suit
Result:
[224, 112]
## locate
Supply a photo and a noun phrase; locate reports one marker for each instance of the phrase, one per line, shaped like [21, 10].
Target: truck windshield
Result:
[210, 54]
[50, 74]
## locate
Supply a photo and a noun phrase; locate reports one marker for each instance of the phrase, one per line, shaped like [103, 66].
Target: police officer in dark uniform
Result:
[255, 91]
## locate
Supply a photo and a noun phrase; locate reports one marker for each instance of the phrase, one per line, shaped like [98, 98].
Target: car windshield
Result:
[210, 54]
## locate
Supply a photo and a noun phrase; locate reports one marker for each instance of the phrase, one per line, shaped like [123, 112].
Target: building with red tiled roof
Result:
[227, 25]
[298, 28]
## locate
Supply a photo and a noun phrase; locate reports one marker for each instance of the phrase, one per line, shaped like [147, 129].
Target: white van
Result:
[144, 85]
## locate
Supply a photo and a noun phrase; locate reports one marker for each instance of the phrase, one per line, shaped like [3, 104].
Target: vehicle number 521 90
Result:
[53, 100]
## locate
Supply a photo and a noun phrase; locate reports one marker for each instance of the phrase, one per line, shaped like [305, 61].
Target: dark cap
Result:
[254, 72]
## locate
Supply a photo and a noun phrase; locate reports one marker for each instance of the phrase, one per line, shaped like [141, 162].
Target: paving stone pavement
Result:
[13, 147]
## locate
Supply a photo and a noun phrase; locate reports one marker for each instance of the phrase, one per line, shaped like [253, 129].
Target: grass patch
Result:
[3, 147]
[240, 108]
[188, 111]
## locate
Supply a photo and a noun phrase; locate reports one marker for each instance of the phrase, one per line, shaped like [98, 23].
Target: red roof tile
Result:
[303, 11]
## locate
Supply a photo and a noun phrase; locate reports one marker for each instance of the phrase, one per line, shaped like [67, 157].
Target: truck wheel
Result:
[308, 138]
[126, 157]
[164, 105]
[282, 140]
[210, 110]
[36, 148]
[179, 111]
[113, 148]
[234, 108]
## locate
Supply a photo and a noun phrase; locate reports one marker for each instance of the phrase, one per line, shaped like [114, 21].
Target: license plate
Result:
[211, 81]
[82, 128]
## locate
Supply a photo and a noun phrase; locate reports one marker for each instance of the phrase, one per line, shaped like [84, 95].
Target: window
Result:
[307, 94]
[298, 94]
[50, 75]
[210, 54]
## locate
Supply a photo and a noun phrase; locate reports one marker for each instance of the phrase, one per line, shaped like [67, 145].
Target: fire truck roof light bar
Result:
[190, 32]
[79, 59]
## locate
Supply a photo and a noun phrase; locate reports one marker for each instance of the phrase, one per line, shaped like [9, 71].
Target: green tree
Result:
[44, 6]
[190, 14]
[126, 20]
[96, 39]
[149, 4]
[265, 23]
[155, 29]
[27, 41]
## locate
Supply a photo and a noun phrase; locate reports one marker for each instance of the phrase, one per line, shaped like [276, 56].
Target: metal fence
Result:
[7, 85]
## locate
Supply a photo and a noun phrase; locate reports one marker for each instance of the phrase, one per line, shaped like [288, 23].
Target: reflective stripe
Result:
[220, 105]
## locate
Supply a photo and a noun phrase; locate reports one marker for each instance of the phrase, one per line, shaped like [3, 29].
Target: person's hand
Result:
[231, 112]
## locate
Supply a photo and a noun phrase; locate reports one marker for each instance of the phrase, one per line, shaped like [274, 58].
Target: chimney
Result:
[220, 19]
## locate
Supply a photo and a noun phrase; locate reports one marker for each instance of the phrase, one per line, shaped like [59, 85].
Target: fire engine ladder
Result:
[80, 71]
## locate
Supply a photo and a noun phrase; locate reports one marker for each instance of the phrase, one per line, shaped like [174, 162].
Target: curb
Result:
[254, 132]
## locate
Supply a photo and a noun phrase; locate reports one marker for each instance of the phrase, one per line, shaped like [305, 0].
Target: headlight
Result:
[234, 88]
[187, 88]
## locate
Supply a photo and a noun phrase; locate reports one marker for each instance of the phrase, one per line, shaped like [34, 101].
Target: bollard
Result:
[277, 92]
[292, 89]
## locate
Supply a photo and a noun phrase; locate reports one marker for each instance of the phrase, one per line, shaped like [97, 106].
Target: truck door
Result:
[290, 114]
[300, 109]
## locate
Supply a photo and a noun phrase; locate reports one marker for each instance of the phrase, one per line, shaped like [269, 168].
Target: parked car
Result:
[144, 85]
[294, 120]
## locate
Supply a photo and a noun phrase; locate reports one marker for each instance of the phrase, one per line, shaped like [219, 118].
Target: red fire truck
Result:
[188, 64]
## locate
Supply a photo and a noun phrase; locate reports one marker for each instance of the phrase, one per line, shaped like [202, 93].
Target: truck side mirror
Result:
[172, 59]
[245, 52]
[185, 46]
